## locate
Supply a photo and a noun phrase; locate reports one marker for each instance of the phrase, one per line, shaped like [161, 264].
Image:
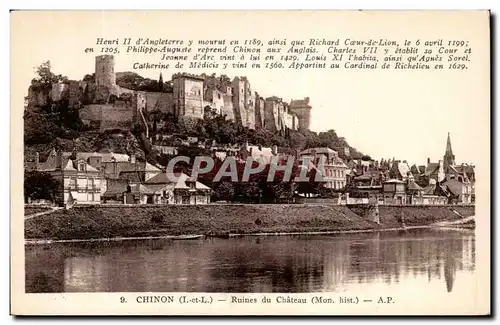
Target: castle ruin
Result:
[111, 106]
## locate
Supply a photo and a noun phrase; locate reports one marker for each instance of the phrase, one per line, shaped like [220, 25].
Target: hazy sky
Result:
[385, 113]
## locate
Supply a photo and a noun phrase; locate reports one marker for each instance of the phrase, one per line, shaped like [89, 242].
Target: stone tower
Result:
[187, 96]
[302, 109]
[449, 157]
[105, 71]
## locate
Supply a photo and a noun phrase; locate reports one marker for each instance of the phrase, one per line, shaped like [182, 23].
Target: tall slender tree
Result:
[160, 83]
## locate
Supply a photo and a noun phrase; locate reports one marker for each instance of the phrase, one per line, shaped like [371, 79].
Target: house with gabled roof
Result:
[80, 182]
[179, 188]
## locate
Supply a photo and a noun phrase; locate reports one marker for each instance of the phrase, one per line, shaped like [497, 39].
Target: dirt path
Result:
[34, 215]
[456, 222]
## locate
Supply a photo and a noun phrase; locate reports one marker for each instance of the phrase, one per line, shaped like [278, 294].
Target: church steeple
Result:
[449, 157]
[160, 83]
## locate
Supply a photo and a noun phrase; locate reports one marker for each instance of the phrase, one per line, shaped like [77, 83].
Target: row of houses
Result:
[95, 178]
[396, 182]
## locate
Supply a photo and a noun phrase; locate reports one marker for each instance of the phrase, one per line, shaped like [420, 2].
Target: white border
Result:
[214, 4]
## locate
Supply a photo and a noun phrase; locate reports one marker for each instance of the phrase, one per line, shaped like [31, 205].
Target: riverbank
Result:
[97, 222]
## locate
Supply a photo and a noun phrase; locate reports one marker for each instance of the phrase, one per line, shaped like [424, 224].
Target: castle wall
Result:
[102, 94]
[91, 114]
[259, 112]
[165, 103]
[120, 115]
[117, 116]
[303, 111]
[304, 116]
[214, 99]
[38, 97]
[228, 108]
[295, 122]
[58, 89]
[238, 90]
[271, 116]
[191, 94]
[75, 93]
[289, 121]
[249, 106]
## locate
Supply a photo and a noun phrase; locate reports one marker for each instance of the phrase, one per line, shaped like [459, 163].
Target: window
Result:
[81, 167]
[72, 182]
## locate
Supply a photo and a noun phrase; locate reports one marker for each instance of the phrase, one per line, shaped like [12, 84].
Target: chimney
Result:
[428, 160]
[37, 160]
[132, 158]
[59, 159]
[275, 150]
[113, 161]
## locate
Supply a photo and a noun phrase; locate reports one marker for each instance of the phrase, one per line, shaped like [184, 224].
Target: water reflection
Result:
[253, 264]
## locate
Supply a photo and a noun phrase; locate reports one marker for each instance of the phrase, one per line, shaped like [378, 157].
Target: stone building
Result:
[188, 99]
[459, 179]
[335, 170]
[259, 112]
[79, 182]
[303, 111]
[187, 96]
[243, 102]
[272, 108]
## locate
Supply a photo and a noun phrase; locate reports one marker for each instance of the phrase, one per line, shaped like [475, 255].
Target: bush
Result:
[157, 219]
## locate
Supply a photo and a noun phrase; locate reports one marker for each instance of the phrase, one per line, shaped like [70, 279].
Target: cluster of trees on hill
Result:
[54, 119]
[134, 81]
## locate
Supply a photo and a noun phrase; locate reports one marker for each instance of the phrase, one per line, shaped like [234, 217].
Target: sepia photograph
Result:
[332, 161]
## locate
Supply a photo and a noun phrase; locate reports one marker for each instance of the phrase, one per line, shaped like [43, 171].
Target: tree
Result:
[224, 191]
[38, 129]
[45, 77]
[89, 78]
[40, 186]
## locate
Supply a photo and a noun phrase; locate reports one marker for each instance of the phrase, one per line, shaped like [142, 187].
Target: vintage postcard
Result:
[250, 162]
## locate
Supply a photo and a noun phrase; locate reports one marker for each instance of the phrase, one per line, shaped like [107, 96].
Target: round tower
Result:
[105, 71]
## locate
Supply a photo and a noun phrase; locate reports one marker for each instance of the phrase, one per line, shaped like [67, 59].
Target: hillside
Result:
[58, 125]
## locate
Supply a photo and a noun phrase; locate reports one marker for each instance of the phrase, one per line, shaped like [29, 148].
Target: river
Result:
[437, 262]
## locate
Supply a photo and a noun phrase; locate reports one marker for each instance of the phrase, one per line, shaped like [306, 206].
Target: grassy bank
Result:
[107, 222]
[421, 215]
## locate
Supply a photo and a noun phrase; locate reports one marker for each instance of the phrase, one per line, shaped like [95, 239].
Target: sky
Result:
[405, 114]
